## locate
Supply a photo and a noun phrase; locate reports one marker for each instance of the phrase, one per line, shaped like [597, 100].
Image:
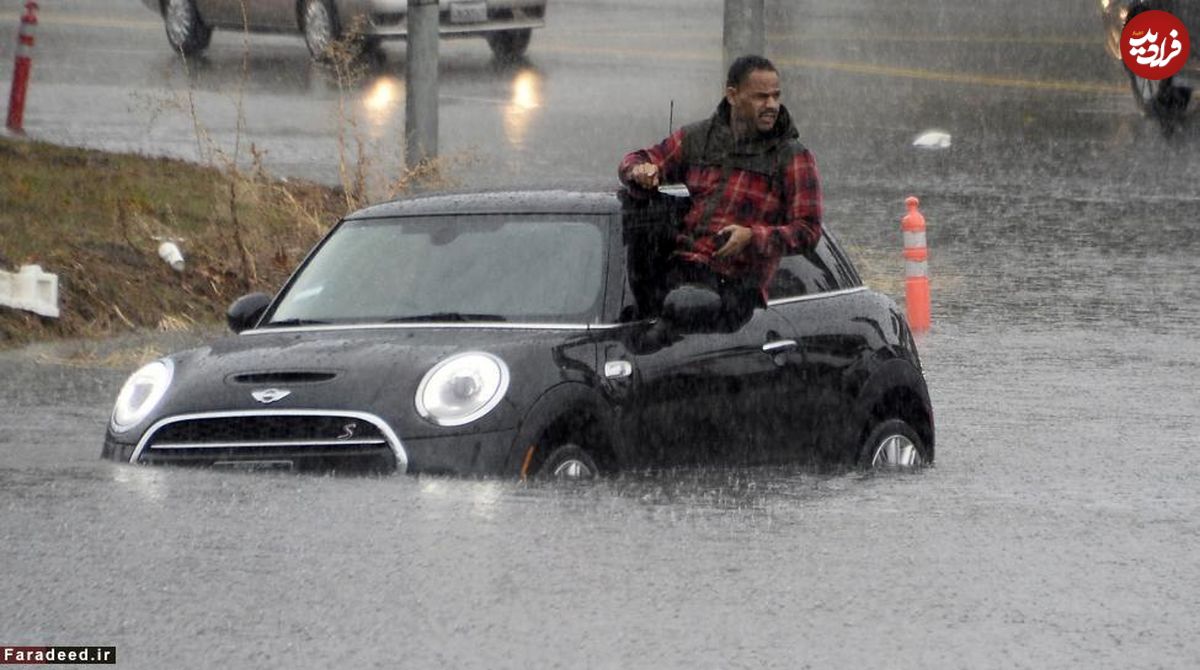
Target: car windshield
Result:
[526, 268]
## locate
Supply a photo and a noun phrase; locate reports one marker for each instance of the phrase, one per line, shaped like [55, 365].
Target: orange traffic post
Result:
[20, 80]
[916, 267]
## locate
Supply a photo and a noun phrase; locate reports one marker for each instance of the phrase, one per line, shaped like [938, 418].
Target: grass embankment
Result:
[97, 219]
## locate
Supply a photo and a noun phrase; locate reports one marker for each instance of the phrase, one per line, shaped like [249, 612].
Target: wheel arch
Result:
[567, 412]
[897, 390]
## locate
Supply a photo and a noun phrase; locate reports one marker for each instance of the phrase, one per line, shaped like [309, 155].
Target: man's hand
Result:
[739, 237]
[645, 175]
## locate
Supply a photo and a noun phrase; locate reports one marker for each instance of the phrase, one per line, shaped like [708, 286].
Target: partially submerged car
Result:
[1165, 100]
[533, 333]
[360, 24]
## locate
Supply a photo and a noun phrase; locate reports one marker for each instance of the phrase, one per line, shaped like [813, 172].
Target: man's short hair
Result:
[741, 68]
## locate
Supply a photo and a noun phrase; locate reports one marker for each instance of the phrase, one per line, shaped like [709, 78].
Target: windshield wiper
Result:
[286, 323]
[447, 316]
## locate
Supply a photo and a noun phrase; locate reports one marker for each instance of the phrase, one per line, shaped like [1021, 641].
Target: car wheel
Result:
[321, 29]
[569, 463]
[509, 45]
[1161, 99]
[185, 30]
[893, 444]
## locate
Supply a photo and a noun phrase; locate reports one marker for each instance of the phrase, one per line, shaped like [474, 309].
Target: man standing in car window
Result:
[755, 190]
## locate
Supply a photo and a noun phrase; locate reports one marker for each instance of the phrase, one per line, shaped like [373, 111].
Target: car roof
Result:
[496, 202]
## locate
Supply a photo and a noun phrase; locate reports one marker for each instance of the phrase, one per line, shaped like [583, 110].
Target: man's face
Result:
[755, 103]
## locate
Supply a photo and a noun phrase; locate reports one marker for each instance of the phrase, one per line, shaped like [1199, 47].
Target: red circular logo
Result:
[1154, 45]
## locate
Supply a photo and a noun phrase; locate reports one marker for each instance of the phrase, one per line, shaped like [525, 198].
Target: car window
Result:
[512, 268]
[803, 274]
[833, 256]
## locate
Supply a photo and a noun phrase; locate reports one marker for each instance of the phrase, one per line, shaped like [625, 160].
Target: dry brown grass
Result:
[96, 220]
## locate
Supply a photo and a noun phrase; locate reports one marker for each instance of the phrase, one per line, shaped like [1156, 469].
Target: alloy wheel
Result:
[896, 451]
[573, 469]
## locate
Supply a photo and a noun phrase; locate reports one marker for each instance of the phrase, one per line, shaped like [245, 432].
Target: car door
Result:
[710, 397]
[273, 14]
[700, 397]
[817, 293]
[222, 13]
[259, 14]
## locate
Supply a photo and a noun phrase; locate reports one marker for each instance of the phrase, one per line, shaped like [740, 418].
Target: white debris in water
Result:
[932, 139]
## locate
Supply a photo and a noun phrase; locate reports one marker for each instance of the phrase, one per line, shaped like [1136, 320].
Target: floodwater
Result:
[1058, 528]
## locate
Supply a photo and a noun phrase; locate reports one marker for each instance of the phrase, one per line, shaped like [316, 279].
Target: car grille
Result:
[301, 438]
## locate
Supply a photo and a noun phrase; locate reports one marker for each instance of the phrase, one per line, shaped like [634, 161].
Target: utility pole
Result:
[744, 29]
[421, 83]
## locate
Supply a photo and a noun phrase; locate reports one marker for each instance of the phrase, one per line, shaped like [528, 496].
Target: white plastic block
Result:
[30, 289]
[932, 139]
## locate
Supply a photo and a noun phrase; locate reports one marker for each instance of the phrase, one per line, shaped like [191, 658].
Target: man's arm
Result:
[800, 228]
[662, 163]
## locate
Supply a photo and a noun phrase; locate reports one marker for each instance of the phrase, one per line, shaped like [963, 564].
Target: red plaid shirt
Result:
[746, 199]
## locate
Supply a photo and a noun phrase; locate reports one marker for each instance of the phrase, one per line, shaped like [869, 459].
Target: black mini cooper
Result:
[533, 334]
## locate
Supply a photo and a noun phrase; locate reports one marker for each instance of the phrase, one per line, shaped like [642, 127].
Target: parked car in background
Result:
[533, 333]
[1165, 99]
[506, 24]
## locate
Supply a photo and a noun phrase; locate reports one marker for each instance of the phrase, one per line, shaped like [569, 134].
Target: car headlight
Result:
[462, 388]
[141, 394]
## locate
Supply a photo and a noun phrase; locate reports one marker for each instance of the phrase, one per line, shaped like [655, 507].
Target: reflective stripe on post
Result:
[24, 62]
[916, 267]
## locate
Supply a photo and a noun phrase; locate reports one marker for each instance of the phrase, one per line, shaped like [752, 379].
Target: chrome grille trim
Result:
[278, 443]
[389, 435]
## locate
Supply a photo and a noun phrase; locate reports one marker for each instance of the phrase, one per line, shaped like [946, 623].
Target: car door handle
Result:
[779, 346]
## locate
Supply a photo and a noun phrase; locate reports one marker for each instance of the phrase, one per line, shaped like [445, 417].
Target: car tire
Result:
[186, 31]
[509, 45]
[1161, 99]
[322, 29]
[568, 462]
[893, 444]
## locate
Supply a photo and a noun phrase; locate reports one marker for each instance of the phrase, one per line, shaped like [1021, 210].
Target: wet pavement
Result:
[1058, 528]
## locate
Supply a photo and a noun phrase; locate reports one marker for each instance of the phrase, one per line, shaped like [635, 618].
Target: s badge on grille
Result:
[268, 396]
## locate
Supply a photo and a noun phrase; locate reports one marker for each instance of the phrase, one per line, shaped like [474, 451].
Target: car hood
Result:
[363, 370]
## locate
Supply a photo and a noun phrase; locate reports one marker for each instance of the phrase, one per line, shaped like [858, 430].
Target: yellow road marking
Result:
[967, 39]
[790, 37]
[957, 77]
[870, 69]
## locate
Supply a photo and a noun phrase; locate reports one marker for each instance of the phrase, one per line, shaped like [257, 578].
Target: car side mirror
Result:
[691, 308]
[246, 311]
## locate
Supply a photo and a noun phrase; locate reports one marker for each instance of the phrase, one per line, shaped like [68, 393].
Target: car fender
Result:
[566, 400]
[889, 377]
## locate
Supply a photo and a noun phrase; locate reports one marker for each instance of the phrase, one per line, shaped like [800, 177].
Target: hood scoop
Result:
[286, 377]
